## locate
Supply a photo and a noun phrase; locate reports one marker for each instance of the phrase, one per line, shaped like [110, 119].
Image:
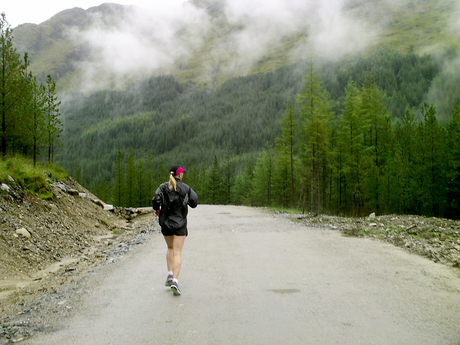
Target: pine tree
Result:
[141, 183]
[285, 156]
[214, 183]
[432, 179]
[119, 185]
[52, 117]
[37, 131]
[151, 182]
[30, 115]
[12, 84]
[406, 152]
[453, 159]
[201, 183]
[376, 141]
[315, 115]
[263, 178]
[242, 189]
[131, 180]
[228, 178]
[351, 147]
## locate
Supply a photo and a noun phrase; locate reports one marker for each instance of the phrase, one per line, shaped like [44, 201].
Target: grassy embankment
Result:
[32, 179]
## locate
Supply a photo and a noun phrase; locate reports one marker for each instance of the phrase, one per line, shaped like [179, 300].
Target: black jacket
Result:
[174, 204]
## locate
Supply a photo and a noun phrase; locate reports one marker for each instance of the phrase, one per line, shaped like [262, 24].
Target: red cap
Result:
[177, 169]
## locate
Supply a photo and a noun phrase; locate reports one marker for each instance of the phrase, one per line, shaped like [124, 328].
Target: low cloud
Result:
[159, 40]
[141, 42]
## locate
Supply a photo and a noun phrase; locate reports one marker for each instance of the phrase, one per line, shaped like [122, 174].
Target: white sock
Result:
[170, 273]
[175, 281]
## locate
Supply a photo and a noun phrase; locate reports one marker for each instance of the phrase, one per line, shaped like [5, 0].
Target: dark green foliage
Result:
[214, 184]
[353, 143]
[405, 79]
[29, 117]
[453, 161]
[119, 183]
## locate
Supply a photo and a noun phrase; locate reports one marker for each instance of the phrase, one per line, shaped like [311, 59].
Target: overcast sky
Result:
[33, 11]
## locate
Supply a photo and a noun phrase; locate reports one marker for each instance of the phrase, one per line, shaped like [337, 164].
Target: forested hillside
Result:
[219, 133]
[346, 109]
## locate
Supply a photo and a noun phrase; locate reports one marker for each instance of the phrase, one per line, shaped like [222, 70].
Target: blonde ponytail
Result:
[172, 181]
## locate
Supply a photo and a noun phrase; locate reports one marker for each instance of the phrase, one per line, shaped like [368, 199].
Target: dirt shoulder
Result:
[48, 246]
[437, 239]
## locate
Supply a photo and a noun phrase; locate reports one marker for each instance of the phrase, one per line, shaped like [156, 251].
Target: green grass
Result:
[32, 179]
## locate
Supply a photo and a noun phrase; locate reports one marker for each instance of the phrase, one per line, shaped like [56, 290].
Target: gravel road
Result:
[250, 278]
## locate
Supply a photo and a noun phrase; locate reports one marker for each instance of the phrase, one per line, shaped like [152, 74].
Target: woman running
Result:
[171, 203]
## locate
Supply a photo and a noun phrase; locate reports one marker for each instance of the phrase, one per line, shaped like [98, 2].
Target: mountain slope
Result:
[209, 42]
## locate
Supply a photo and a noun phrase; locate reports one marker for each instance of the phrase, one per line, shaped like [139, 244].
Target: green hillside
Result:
[162, 118]
[418, 26]
[384, 71]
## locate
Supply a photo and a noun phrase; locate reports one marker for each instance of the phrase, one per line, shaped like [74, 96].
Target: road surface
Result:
[250, 278]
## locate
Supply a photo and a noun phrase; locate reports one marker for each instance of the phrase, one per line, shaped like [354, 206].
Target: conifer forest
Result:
[348, 137]
[29, 110]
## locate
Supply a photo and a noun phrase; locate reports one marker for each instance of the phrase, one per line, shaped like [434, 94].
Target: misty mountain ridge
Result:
[210, 41]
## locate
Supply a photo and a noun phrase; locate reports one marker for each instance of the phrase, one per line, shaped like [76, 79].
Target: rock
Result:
[72, 191]
[5, 187]
[83, 195]
[108, 207]
[373, 225]
[62, 187]
[99, 203]
[10, 179]
[372, 215]
[23, 232]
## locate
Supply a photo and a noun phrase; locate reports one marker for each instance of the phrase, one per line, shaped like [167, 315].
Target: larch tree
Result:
[351, 140]
[118, 188]
[263, 178]
[130, 179]
[285, 155]
[12, 84]
[373, 112]
[52, 117]
[315, 112]
[453, 159]
[432, 179]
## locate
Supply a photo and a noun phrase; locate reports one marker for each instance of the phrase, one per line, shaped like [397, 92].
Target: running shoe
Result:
[169, 280]
[175, 289]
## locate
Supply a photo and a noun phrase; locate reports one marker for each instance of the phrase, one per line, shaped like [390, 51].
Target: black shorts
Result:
[174, 232]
